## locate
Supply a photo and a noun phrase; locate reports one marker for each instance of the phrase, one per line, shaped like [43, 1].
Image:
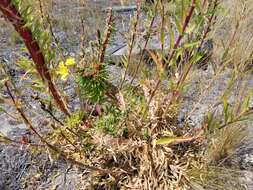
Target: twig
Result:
[107, 36]
[15, 142]
[132, 43]
[145, 45]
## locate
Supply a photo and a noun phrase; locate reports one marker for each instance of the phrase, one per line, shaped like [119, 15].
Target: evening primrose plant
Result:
[125, 133]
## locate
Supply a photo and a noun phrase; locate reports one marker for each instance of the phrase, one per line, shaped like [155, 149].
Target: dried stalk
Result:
[107, 36]
[145, 45]
[132, 43]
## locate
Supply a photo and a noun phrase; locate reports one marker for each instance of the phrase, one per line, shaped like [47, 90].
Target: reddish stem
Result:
[12, 14]
[185, 25]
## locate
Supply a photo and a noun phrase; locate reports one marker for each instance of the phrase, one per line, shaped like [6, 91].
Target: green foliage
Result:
[40, 34]
[93, 85]
[75, 120]
[26, 65]
[109, 123]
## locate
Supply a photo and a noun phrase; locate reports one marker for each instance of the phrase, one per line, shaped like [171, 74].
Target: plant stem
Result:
[238, 118]
[145, 45]
[12, 14]
[132, 43]
[176, 45]
[107, 37]
[180, 37]
[50, 146]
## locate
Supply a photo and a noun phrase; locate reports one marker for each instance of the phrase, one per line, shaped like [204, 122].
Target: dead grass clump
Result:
[232, 32]
[225, 144]
[214, 178]
[142, 166]
[213, 171]
[156, 155]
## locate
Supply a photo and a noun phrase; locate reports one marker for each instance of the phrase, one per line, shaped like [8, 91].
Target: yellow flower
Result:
[63, 71]
[70, 61]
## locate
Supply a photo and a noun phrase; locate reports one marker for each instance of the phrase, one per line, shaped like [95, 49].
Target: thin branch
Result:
[107, 36]
[132, 43]
[146, 44]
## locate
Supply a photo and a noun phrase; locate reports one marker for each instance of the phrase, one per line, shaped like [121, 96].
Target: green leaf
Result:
[198, 4]
[124, 60]
[171, 36]
[162, 37]
[191, 28]
[225, 110]
[246, 103]
[2, 109]
[191, 44]
[172, 140]
[179, 26]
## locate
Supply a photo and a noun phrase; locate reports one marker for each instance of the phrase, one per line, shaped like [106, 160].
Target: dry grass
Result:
[213, 171]
[233, 31]
[225, 144]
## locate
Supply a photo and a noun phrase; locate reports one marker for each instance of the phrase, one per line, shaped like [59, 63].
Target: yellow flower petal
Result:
[63, 71]
[70, 61]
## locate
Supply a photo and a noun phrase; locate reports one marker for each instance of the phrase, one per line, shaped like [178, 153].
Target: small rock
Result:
[122, 8]
[14, 122]
[18, 132]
